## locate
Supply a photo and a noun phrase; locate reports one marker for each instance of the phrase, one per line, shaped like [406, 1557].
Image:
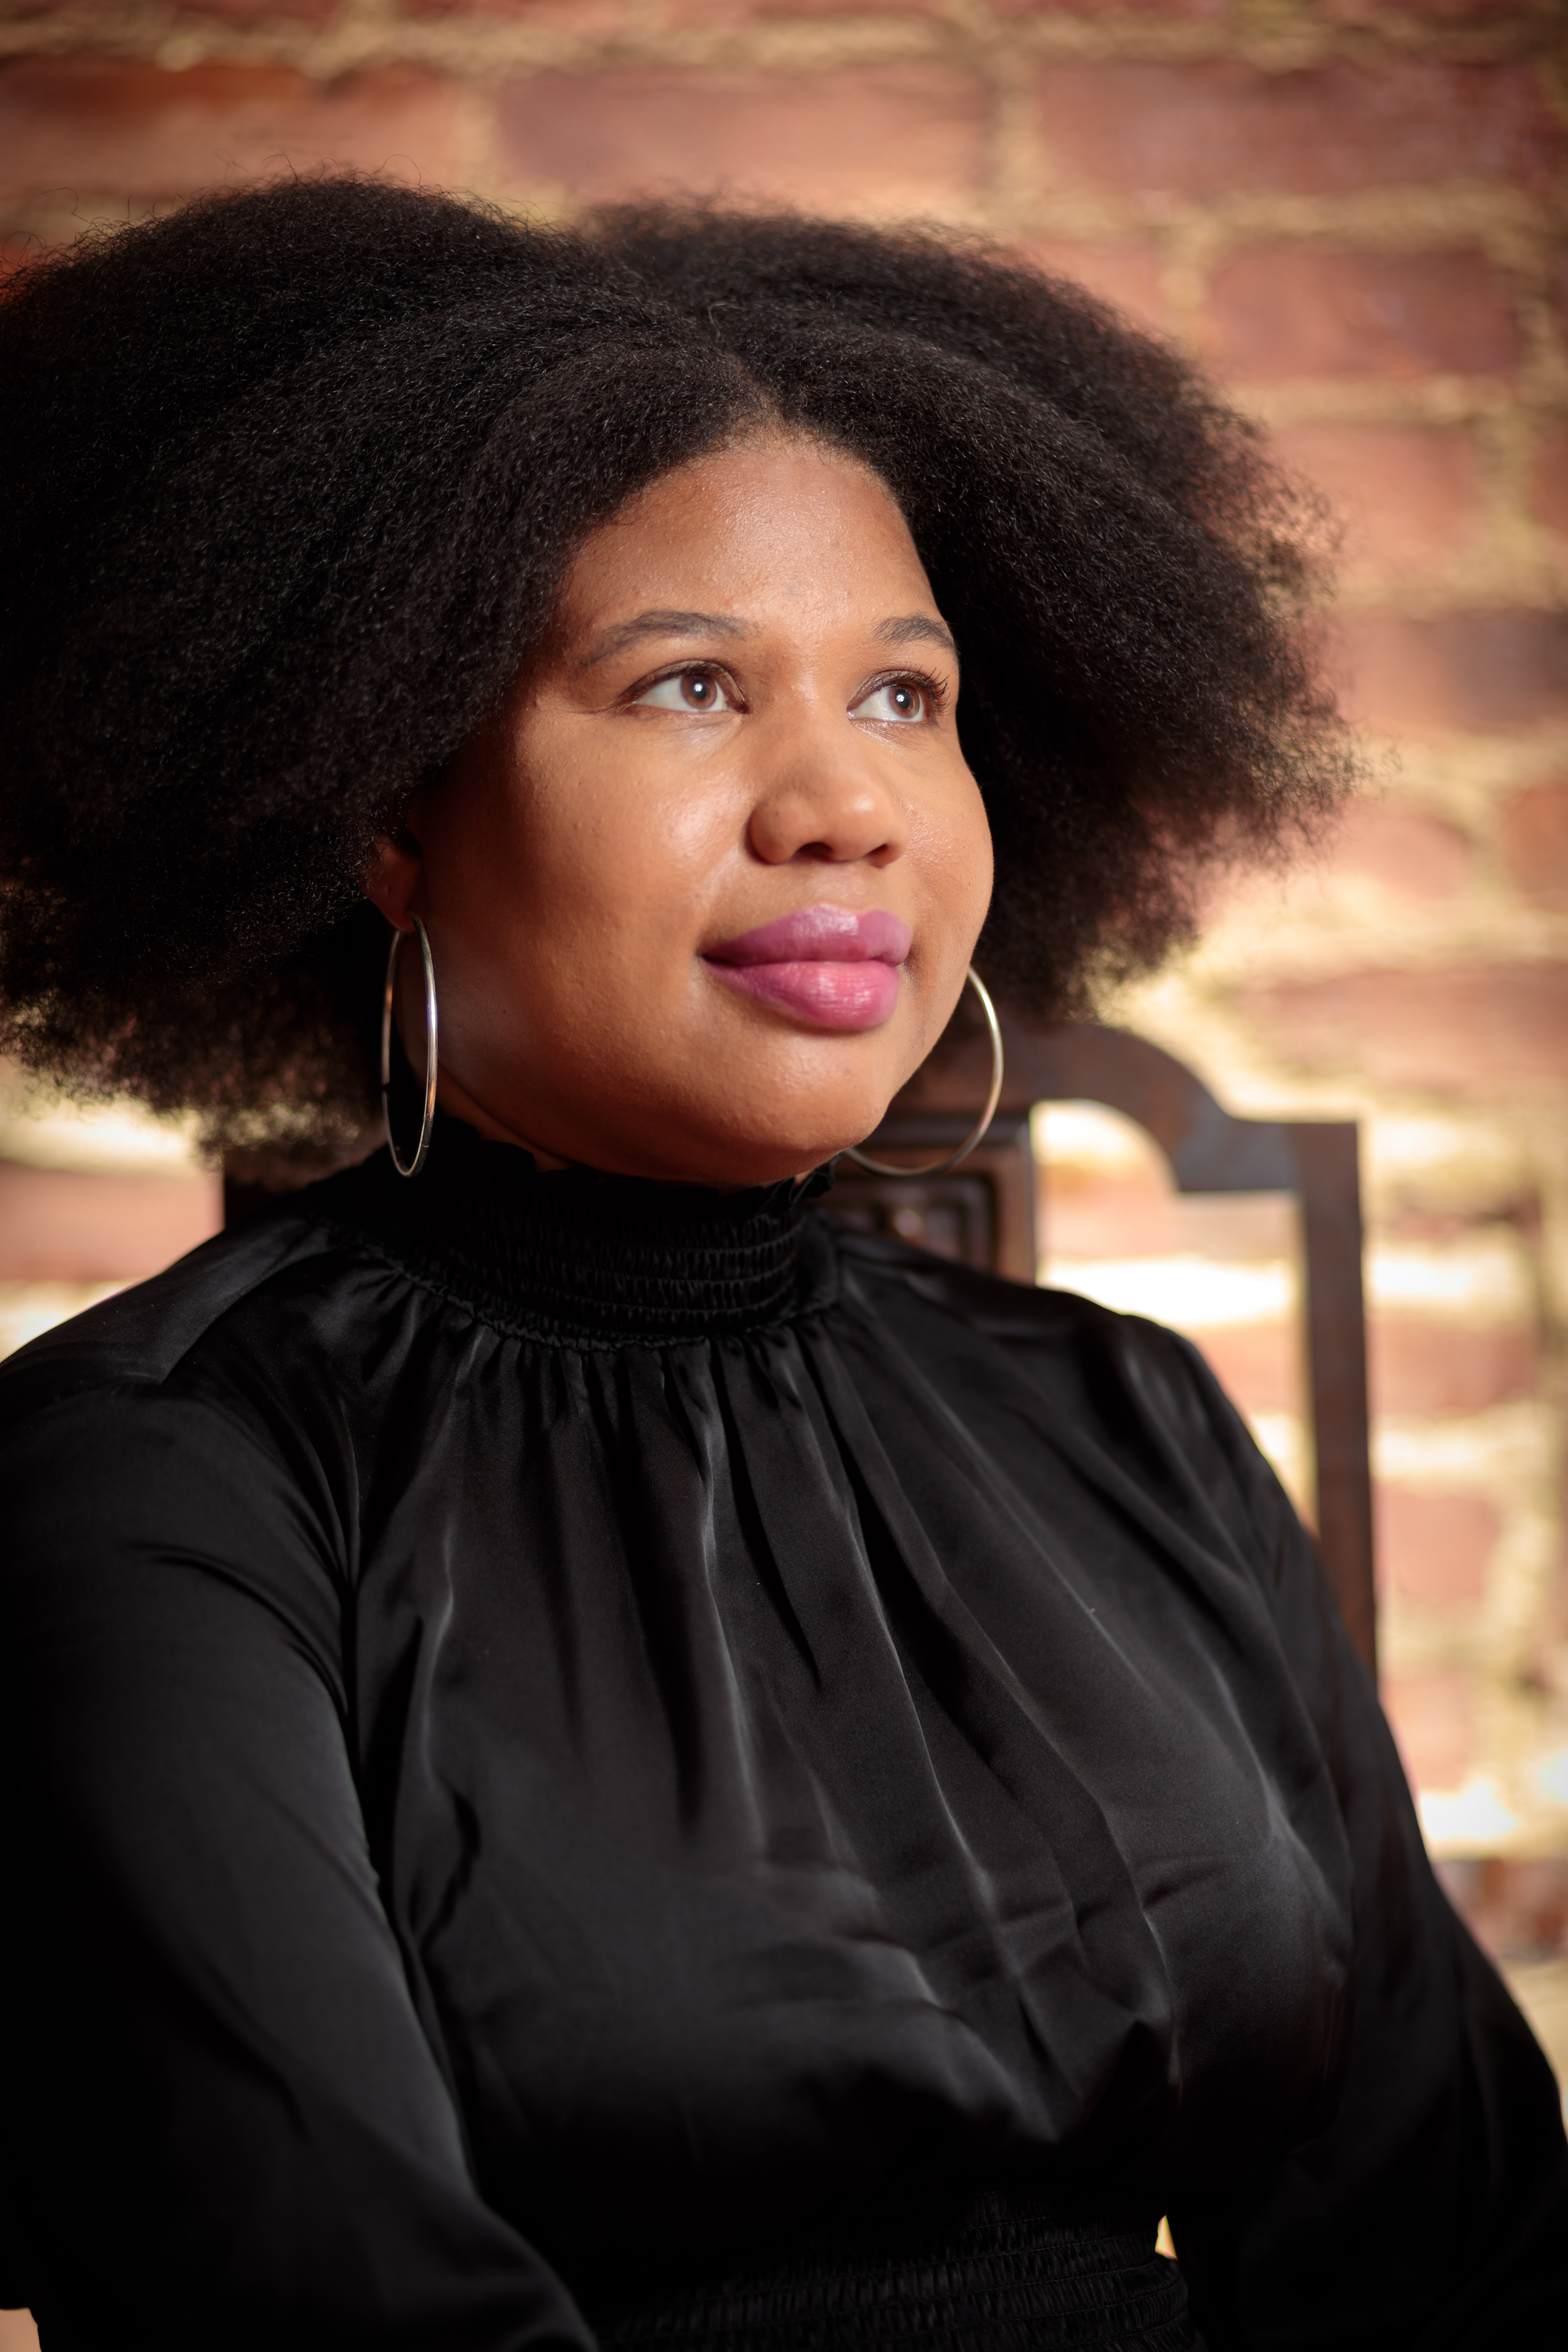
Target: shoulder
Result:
[1126, 1397]
[141, 1337]
[164, 1441]
[1043, 1329]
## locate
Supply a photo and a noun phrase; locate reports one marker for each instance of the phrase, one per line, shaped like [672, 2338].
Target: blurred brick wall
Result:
[1353, 214]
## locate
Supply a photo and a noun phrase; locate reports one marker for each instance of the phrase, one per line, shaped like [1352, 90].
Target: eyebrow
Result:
[910, 628]
[661, 623]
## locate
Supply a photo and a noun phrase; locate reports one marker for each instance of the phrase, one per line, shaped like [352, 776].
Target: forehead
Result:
[771, 529]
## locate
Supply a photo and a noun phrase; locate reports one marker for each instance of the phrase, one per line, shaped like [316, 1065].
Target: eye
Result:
[900, 699]
[688, 690]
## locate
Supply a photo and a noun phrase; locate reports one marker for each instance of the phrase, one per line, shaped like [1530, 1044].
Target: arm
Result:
[229, 2128]
[1428, 2212]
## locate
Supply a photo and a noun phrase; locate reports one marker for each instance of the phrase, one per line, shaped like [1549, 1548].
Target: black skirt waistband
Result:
[1009, 2276]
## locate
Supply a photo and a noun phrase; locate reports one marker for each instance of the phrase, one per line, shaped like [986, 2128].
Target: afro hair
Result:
[293, 478]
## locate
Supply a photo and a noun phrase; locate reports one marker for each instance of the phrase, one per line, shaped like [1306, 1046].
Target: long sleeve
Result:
[1428, 2212]
[230, 2128]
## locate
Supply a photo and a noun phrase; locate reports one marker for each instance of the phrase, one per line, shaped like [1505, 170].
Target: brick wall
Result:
[1353, 213]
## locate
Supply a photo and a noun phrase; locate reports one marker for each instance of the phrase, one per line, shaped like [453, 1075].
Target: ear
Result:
[392, 877]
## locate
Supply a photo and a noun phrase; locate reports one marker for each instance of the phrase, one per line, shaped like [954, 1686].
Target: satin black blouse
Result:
[592, 1762]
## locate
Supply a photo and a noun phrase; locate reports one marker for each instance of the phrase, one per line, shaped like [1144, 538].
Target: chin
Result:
[767, 1158]
[788, 1128]
[777, 1127]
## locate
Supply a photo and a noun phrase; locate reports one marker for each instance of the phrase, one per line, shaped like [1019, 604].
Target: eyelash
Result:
[932, 687]
[687, 669]
[922, 680]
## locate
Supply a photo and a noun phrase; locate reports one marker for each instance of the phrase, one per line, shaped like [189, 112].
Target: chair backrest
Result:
[983, 1212]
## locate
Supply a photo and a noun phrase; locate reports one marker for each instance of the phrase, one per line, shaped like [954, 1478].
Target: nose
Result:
[822, 794]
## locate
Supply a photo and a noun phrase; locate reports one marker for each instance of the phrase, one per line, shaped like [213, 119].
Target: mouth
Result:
[823, 965]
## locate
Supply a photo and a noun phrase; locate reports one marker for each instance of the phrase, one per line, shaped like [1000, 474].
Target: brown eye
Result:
[899, 699]
[688, 690]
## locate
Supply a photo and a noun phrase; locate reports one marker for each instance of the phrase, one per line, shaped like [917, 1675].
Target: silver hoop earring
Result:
[977, 1133]
[427, 1117]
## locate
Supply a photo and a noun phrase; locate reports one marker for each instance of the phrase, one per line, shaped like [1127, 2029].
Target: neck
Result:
[455, 1100]
[458, 1103]
[584, 1258]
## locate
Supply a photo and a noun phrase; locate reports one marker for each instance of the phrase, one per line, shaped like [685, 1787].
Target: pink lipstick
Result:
[823, 965]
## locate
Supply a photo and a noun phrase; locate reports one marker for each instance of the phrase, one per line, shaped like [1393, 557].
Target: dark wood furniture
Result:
[984, 1213]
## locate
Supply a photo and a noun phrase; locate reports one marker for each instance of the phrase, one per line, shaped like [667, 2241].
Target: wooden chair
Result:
[983, 1212]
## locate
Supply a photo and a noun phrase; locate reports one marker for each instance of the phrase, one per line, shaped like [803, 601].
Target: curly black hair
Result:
[292, 479]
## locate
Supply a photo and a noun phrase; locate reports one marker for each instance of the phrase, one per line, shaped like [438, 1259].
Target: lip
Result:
[820, 935]
[823, 965]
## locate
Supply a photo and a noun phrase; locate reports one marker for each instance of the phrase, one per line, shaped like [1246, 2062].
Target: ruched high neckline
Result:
[587, 1259]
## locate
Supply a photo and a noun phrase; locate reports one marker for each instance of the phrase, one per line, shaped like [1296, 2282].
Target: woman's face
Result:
[701, 898]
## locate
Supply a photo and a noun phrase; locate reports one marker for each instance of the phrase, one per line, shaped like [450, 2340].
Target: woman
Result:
[591, 1757]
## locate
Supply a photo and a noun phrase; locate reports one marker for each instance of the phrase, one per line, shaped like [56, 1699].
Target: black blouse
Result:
[592, 1761]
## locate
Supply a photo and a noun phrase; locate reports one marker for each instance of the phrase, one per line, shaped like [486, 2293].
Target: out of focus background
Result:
[1354, 215]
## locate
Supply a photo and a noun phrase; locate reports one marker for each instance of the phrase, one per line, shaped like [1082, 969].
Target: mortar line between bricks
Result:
[366, 37]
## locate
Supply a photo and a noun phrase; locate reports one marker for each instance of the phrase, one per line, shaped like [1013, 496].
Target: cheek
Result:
[958, 858]
[625, 870]
[587, 873]
[977, 840]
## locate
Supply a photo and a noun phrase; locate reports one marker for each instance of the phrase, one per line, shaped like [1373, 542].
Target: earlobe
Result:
[392, 877]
